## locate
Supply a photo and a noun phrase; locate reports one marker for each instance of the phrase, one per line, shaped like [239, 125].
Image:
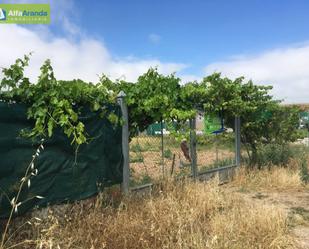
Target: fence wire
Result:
[161, 153]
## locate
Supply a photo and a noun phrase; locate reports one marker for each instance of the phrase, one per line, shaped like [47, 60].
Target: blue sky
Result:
[193, 32]
[267, 41]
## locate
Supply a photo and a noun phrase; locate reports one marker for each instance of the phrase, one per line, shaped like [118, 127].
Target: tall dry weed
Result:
[176, 215]
[274, 178]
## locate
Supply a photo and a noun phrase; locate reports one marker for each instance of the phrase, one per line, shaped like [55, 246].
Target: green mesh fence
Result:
[61, 175]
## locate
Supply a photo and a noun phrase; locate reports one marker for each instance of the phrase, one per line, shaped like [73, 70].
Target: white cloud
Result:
[63, 13]
[287, 69]
[85, 59]
[154, 38]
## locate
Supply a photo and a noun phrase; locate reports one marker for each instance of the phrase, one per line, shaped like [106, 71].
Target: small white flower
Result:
[29, 183]
[35, 172]
[39, 197]
[32, 166]
[13, 202]
[208, 84]
[16, 207]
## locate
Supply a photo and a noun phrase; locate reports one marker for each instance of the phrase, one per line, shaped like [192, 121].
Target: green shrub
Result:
[224, 140]
[137, 159]
[274, 154]
[204, 139]
[136, 148]
[168, 154]
[302, 133]
[277, 154]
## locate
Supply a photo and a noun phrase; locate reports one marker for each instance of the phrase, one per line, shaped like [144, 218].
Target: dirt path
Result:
[296, 204]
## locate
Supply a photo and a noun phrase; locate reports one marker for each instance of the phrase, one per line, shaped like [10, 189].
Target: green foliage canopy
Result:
[52, 103]
[152, 98]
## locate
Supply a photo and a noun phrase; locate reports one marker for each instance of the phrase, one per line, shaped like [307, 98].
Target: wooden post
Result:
[237, 141]
[193, 147]
[173, 164]
[125, 142]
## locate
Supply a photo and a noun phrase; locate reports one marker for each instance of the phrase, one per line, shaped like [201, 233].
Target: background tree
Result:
[263, 119]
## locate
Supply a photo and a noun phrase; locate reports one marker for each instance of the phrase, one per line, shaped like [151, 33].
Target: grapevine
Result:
[152, 98]
[53, 103]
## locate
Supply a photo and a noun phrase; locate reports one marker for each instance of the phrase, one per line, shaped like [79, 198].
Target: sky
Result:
[266, 41]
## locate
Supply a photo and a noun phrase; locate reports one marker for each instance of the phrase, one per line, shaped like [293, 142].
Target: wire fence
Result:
[157, 152]
[154, 157]
[163, 150]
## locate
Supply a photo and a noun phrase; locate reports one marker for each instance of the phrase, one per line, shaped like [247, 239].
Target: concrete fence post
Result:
[162, 149]
[125, 142]
[237, 141]
[193, 147]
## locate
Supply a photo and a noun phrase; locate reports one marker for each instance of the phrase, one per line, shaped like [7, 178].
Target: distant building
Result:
[301, 106]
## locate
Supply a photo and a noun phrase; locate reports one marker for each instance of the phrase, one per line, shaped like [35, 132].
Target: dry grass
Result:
[177, 215]
[273, 178]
